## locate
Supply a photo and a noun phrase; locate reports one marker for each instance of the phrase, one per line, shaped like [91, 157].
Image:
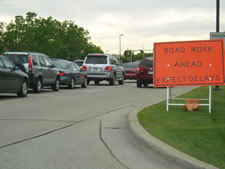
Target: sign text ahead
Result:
[189, 63]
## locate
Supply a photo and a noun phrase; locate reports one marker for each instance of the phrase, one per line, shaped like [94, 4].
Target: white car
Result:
[101, 67]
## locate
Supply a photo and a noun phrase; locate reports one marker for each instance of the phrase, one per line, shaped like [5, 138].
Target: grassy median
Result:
[198, 133]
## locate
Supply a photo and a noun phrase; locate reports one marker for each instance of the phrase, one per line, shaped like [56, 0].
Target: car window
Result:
[77, 67]
[96, 60]
[1, 64]
[35, 60]
[74, 68]
[112, 61]
[131, 65]
[79, 63]
[61, 65]
[19, 58]
[7, 63]
[146, 63]
[47, 62]
[41, 60]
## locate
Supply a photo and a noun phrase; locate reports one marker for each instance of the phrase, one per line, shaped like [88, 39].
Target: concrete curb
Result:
[162, 148]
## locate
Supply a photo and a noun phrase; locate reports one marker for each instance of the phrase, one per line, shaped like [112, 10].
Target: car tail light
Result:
[61, 74]
[108, 68]
[84, 68]
[138, 68]
[29, 64]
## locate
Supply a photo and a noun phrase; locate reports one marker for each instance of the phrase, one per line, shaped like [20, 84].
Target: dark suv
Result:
[144, 72]
[42, 72]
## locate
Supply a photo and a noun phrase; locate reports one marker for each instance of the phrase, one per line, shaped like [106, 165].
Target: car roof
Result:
[61, 60]
[22, 53]
[150, 58]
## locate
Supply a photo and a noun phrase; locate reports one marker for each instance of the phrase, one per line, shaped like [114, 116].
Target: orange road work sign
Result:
[187, 63]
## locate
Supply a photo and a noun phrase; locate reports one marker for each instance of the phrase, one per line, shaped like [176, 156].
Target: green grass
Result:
[198, 133]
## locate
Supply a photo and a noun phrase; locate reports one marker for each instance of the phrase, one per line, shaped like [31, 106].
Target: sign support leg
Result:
[167, 99]
[210, 99]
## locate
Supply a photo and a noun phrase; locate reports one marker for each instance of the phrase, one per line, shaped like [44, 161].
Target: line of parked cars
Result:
[22, 70]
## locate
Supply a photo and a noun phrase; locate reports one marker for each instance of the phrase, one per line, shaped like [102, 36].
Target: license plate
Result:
[150, 73]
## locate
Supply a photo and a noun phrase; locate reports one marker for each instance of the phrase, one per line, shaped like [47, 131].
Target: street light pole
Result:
[120, 47]
[217, 15]
[17, 17]
[217, 27]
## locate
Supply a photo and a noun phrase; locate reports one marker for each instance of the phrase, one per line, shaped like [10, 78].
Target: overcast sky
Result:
[142, 22]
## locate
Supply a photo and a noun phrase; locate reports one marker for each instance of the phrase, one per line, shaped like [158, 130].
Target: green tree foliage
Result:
[130, 55]
[50, 36]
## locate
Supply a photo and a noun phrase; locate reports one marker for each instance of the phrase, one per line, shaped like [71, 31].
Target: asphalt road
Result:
[77, 129]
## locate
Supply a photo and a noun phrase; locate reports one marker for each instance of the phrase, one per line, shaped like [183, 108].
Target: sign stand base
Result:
[169, 100]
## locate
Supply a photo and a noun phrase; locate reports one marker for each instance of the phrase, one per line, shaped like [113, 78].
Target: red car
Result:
[130, 70]
[144, 72]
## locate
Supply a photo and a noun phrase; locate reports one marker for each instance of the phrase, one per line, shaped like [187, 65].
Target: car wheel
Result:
[55, 87]
[72, 84]
[38, 86]
[88, 82]
[24, 89]
[121, 81]
[85, 83]
[96, 82]
[113, 80]
[145, 84]
[139, 84]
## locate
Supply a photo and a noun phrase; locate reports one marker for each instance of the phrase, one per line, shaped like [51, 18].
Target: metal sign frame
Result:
[170, 98]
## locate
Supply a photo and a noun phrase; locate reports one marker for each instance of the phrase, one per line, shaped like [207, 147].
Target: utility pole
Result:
[217, 26]
[120, 47]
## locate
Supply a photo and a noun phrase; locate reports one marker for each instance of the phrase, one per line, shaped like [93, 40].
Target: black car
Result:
[12, 79]
[39, 67]
[70, 73]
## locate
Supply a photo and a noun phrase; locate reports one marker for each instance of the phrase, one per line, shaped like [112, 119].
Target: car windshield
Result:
[17, 58]
[61, 65]
[131, 65]
[96, 60]
[146, 63]
[79, 63]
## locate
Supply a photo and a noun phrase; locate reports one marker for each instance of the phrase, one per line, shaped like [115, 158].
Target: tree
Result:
[50, 36]
[129, 55]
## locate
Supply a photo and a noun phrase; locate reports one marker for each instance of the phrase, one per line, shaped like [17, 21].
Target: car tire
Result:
[96, 82]
[37, 86]
[55, 87]
[24, 89]
[139, 84]
[88, 82]
[113, 80]
[85, 83]
[145, 84]
[121, 81]
[72, 84]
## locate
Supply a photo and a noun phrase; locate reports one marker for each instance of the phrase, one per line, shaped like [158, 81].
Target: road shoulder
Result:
[162, 148]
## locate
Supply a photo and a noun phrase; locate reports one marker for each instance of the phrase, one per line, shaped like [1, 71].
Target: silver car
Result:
[101, 67]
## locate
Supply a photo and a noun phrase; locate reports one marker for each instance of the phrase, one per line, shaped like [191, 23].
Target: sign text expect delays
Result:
[188, 63]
